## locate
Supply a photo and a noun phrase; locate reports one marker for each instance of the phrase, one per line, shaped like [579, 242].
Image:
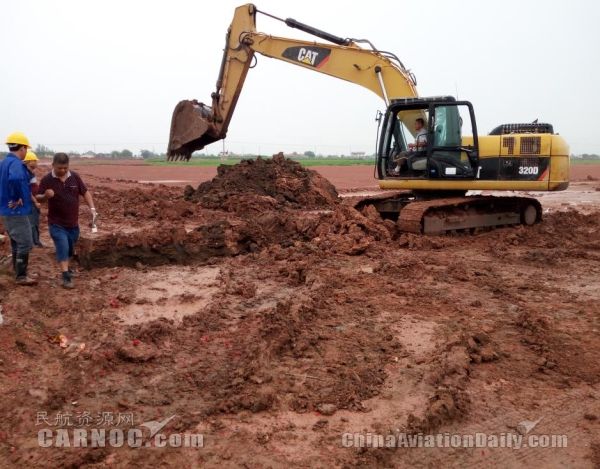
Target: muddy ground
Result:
[344, 178]
[267, 315]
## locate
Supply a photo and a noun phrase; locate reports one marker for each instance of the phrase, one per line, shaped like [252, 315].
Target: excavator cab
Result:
[439, 150]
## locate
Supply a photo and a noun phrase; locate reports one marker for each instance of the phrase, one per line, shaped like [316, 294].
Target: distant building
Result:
[357, 154]
[88, 155]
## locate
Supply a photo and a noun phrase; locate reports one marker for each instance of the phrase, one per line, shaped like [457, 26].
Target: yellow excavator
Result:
[431, 175]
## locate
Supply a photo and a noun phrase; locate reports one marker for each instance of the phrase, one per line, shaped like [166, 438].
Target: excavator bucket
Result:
[191, 130]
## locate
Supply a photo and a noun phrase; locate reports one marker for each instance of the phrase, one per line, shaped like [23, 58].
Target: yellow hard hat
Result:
[18, 138]
[31, 156]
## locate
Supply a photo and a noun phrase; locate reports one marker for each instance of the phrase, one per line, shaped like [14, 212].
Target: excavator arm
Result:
[195, 125]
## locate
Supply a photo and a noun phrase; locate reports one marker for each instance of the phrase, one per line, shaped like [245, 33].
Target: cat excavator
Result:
[427, 179]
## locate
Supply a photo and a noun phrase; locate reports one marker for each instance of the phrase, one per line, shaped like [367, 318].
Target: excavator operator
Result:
[412, 158]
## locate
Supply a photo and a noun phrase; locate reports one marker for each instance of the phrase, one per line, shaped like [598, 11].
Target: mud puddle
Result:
[172, 293]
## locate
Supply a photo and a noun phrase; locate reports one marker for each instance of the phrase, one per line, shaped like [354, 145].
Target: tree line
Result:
[44, 151]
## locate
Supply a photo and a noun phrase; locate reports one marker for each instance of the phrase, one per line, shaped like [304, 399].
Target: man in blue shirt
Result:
[15, 204]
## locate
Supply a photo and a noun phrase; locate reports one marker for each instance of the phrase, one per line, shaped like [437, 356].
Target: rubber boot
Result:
[36, 237]
[21, 264]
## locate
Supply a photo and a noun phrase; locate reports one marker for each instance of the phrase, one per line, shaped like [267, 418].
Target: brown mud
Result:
[344, 178]
[272, 318]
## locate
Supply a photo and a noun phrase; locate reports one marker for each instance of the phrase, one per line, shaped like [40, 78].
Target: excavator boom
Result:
[195, 125]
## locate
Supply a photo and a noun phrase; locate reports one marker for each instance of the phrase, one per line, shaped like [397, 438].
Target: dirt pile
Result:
[255, 185]
[137, 207]
[570, 231]
[246, 207]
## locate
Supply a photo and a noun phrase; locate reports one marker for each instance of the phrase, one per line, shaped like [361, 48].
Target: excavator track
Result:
[461, 213]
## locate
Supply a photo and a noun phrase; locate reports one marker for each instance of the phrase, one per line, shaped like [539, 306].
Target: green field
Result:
[214, 162]
[303, 161]
[578, 161]
[211, 162]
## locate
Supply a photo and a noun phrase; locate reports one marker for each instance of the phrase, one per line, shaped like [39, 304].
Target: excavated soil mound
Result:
[246, 207]
[140, 205]
[261, 184]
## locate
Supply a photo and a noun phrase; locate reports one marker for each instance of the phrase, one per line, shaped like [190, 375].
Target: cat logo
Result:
[311, 56]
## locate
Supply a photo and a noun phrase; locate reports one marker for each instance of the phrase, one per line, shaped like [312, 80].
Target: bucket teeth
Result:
[191, 129]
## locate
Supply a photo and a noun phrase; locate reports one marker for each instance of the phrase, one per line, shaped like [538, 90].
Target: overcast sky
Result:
[105, 75]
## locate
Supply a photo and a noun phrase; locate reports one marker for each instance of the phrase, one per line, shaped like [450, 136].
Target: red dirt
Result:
[264, 184]
[342, 177]
[279, 320]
